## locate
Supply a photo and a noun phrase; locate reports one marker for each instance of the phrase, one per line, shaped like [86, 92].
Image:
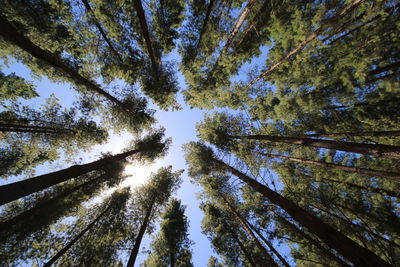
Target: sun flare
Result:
[138, 175]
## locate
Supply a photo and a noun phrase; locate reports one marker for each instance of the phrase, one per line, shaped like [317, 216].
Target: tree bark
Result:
[13, 191]
[142, 230]
[324, 25]
[10, 127]
[146, 34]
[315, 243]
[205, 22]
[242, 222]
[281, 258]
[368, 133]
[7, 226]
[355, 253]
[370, 189]
[101, 30]
[242, 247]
[73, 241]
[237, 26]
[395, 176]
[11, 34]
[378, 150]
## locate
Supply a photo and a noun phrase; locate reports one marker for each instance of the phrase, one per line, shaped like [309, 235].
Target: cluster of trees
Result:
[303, 167]
[304, 159]
[80, 215]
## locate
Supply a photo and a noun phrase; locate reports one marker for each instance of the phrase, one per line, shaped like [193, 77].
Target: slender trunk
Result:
[388, 10]
[395, 176]
[101, 30]
[242, 222]
[11, 127]
[315, 243]
[238, 24]
[145, 32]
[8, 226]
[242, 247]
[253, 24]
[73, 241]
[281, 258]
[355, 253]
[205, 22]
[11, 34]
[356, 226]
[324, 25]
[368, 133]
[13, 191]
[378, 150]
[370, 189]
[142, 230]
[172, 260]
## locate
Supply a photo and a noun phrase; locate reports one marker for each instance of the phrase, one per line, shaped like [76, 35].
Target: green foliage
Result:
[171, 245]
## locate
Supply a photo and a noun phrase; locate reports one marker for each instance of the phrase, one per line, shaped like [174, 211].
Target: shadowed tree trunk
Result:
[242, 247]
[395, 176]
[281, 258]
[11, 34]
[315, 243]
[73, 241]
[372, 133]
[371, 189]
[142, 230]
[205, 22]
[13, 191]
[378, 150]
[10, 127]
[242, 222]
[146, 34]
[7, 226]
[324, 25]
[101, 30]
[355, 253]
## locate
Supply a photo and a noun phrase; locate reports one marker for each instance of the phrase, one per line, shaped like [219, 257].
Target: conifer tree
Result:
[151, 198]
[148, 148]
[171, 246]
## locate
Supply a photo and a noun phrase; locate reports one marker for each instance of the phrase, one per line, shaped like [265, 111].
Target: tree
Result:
[34, 136]
[114, 205]
[202, 161]
[45, 209]
[148, 148]
[171, 245]
[152, 198]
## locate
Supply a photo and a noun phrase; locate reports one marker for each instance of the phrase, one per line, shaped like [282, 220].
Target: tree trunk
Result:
[13, 191]
[146, 34]
[10, 127]
[315, 243]
[11, 34]
[142, 230]
[242, 247]
[281, 258]
[355, 253]
[370, 189]
[101, 30]
[73, 241]
[242, 222]
[205, 22]
[368, 133]
[378, 150]
[6, 227]
[324, 25]
[395, 176]
[172, 260]
[238, 24]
